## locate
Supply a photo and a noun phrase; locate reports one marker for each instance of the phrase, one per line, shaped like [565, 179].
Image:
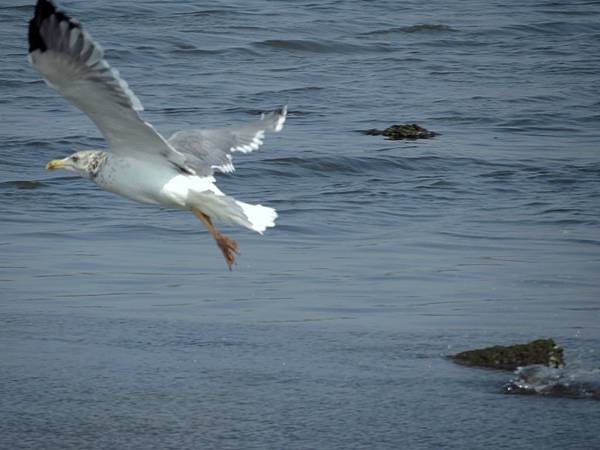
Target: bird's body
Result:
[148, 182]
[140, 164]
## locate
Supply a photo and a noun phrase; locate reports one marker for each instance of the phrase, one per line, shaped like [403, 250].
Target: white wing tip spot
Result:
[257, 141]
[226, 167]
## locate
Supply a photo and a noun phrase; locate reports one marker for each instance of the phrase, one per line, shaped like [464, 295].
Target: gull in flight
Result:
[140, 163]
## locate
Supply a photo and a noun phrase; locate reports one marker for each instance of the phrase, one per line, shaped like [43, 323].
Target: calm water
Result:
[122, 328]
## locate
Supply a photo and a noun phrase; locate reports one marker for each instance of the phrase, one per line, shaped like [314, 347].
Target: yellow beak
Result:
[55, 164]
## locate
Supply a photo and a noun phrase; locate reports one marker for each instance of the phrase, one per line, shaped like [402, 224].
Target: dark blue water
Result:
[120, 326]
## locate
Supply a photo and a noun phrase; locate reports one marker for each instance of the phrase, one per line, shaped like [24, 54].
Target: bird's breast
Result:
[135, 179]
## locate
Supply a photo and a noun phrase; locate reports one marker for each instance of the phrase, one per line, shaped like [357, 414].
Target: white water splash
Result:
[538, 379]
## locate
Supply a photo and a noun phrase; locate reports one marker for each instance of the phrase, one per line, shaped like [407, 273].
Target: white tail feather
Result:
[230, 211]
[259, 217]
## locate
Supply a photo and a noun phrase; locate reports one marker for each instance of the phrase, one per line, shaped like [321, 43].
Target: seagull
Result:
[139, 163]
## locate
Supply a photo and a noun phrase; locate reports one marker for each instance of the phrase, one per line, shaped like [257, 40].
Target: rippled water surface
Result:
[122, 328]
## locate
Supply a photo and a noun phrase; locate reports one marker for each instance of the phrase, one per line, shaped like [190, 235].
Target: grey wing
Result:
[73, 64]
[208, 149]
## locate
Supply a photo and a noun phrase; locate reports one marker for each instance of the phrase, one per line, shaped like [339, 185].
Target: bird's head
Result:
[84, 163]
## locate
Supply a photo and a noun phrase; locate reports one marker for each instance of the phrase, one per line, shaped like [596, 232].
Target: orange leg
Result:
[227, 245]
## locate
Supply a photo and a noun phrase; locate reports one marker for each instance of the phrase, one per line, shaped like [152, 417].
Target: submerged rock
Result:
[408, 131]
[541, 351]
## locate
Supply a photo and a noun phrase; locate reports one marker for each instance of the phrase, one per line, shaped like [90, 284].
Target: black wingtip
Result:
[43, 10]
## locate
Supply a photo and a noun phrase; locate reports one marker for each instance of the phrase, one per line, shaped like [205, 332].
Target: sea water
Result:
[120, 326]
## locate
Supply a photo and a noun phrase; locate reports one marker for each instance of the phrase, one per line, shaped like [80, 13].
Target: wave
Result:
[319, 46]
[21, 184]
[186, 49]
[354, 164]
[552, 28]
[419, 28]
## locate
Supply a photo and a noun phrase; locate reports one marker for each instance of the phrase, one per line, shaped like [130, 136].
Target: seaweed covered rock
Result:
[408, 131]
[541, 351]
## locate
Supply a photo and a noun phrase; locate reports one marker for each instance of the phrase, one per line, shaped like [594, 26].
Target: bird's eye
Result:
[75, 158]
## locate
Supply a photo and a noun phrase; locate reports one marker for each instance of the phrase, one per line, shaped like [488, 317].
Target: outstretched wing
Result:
[73, 64]
[209, 149]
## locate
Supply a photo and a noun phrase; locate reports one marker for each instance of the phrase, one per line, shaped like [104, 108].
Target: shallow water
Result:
[121, 325]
